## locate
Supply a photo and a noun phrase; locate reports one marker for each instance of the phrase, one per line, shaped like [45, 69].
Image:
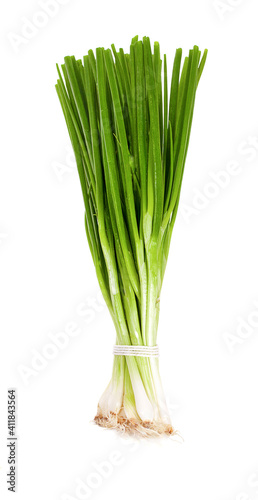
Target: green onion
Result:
[130, 141]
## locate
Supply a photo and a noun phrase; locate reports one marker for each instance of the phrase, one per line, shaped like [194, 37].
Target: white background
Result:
[208, 361]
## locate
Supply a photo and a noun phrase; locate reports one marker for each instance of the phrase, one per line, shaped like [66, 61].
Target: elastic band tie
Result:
[136, 350]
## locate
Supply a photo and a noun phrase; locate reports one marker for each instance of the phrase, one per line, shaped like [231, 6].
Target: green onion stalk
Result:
[130, 137]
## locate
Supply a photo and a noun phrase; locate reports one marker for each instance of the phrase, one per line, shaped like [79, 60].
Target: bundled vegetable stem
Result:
[130, 143]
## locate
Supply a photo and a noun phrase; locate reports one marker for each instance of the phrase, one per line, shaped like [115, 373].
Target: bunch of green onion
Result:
[130, 142]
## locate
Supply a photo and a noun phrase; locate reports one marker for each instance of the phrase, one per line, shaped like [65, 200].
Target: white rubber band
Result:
[139, 350]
